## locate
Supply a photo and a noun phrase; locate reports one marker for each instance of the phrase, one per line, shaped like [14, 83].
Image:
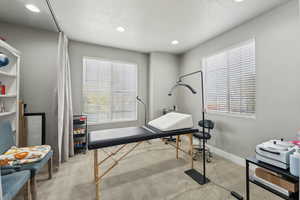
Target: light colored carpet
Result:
[151, 172]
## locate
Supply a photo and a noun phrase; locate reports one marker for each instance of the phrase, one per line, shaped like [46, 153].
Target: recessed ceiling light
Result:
[238, 1]
[120, 29]
[174, 42]
[32, 8]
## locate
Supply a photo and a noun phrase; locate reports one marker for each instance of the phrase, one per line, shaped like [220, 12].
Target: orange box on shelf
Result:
[276, 179]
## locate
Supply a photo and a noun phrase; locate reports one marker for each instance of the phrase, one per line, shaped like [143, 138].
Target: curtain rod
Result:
[53, 15]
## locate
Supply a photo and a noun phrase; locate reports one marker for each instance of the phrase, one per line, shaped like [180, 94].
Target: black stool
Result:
[209, 125]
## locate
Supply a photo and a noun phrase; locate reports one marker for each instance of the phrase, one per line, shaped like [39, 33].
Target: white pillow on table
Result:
[172, 121]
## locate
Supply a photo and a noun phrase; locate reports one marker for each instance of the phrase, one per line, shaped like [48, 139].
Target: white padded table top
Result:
[172, 121]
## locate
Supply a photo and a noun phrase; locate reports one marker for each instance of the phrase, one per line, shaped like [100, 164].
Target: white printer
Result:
[275, 152]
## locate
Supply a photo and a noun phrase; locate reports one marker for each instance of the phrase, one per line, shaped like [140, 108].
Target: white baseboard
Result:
[233, 158]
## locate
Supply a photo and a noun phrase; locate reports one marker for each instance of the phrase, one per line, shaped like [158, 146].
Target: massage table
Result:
[121, 137]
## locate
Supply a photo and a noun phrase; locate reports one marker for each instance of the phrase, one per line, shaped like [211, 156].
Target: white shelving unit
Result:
[9, 76]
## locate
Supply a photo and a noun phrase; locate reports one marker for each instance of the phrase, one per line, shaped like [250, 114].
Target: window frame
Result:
[204, 67]
[136, 89]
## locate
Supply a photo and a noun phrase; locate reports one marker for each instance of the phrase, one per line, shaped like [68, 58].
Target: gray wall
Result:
[78, 50]
[37, 70]
[163, 73]
[278, 67]
[278, 60]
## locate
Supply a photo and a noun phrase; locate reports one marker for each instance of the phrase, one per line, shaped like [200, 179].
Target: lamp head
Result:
[171, 91]
[140, 100]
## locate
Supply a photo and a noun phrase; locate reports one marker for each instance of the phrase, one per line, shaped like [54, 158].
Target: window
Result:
[109, 91]
[230, 80]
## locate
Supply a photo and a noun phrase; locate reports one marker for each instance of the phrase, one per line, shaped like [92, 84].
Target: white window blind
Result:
[109, 91]
[230, 80]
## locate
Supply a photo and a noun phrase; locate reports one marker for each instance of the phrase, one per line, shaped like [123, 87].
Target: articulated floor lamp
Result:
[197, 176]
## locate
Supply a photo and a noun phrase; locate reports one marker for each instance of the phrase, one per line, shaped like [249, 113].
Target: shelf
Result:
[84, 150]
[8, 96]
[6, 114]
[272, 168]
[79, 135]
[74, 116]
[7, 74]
[79, 119]
[291, 197]
[79, 139]
[80, 124]
[4, 45]
[283, 172]
[81, 147]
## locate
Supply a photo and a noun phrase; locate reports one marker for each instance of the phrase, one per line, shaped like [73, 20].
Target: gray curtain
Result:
[64, 95]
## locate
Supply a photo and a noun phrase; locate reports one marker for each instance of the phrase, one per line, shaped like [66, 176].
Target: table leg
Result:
[33, 188]
[95, 164]
[247, 182]
[191, 150]
[27, 191]
[177, 146]
[96, 174]
[50, 167]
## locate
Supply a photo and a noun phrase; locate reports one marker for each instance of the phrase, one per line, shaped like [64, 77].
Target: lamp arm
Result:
[202, 84]
[189, 74]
